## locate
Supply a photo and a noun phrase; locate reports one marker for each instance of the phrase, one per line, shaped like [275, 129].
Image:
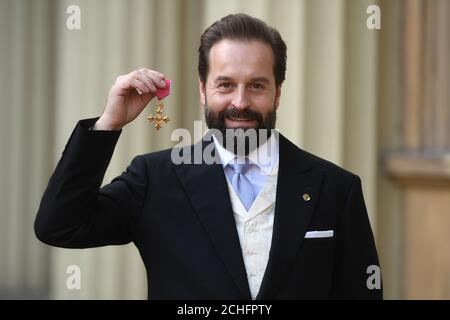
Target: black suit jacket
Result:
[181, 220]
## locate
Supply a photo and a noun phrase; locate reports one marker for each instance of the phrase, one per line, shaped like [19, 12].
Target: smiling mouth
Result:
[239, 119]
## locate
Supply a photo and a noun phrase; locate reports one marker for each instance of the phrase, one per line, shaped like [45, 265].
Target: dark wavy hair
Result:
[246, 28]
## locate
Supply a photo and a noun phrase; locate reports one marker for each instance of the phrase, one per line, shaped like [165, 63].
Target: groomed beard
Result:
[241, 141]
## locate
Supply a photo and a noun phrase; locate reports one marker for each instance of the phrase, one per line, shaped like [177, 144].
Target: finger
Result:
[154, 74]
[157, 77]
[136, 84]
[143, 76]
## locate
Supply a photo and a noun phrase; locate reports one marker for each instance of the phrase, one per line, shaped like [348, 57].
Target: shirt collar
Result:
[266, 157]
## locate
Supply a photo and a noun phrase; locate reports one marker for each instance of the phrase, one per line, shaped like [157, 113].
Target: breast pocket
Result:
[318, 254]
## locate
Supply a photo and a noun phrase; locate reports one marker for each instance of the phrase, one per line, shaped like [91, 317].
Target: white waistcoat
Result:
[255, 230]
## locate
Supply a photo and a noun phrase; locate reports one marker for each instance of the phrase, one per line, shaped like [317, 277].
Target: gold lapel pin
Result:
[306, 197]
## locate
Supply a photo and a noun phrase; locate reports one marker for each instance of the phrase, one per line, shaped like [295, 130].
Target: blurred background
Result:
[375, 102]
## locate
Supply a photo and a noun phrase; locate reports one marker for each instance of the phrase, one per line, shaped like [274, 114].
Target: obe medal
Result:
[159, 119]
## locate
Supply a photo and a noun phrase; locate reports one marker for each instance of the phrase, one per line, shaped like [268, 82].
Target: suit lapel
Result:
[293, 213]
[207, 190]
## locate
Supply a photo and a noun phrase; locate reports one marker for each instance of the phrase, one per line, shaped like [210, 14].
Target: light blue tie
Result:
[242, 185]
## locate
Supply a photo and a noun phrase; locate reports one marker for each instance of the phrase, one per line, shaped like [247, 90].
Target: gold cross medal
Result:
[159, 118]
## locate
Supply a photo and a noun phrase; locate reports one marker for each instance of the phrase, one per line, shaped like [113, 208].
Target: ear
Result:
[277, 97]
[202, 90]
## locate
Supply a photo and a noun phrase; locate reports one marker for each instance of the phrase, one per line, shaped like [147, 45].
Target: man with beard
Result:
[284, 225]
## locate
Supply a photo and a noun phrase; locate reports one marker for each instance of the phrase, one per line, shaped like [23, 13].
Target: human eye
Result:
[257, 86]
[224, 85]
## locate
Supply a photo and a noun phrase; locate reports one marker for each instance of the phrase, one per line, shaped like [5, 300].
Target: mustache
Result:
[246, 114]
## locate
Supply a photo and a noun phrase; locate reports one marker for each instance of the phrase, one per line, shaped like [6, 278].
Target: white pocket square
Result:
[319, 234]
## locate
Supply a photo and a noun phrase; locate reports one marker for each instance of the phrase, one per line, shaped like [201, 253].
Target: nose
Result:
[240, 100]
